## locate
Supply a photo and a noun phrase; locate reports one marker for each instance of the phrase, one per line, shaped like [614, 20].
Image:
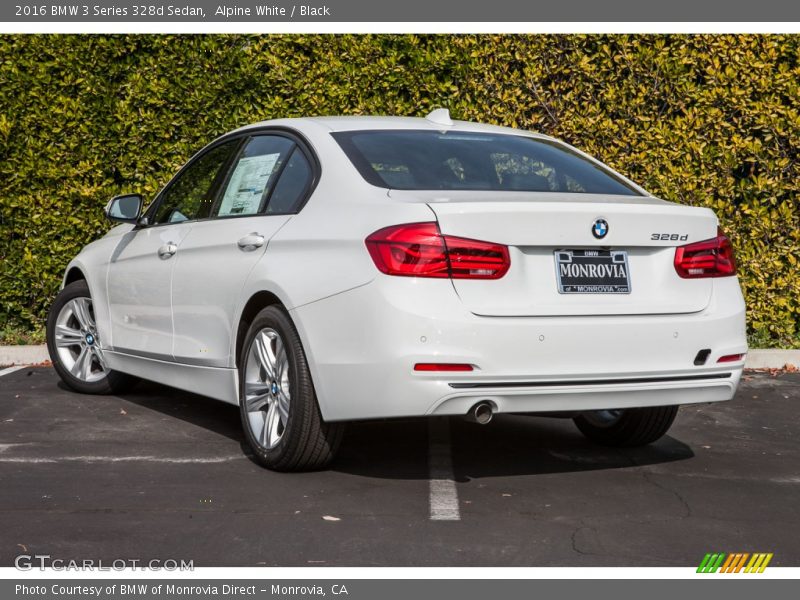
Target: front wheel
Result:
[279, 410]
[75, 346]
[630, 427]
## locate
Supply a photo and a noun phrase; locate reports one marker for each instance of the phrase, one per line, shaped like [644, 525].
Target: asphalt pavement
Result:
[162, 474]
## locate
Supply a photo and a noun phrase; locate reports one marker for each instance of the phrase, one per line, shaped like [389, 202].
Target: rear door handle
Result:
[167, 250]
[251, 242]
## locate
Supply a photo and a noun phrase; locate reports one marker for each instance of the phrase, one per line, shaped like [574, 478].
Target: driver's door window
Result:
[190, 196]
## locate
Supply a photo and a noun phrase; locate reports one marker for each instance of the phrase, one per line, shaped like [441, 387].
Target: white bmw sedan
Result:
[319, 270]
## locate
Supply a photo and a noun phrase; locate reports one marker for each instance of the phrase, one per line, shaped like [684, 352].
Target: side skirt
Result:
[214, 382]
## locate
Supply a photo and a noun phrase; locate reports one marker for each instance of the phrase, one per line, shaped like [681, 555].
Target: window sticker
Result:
[247, 185]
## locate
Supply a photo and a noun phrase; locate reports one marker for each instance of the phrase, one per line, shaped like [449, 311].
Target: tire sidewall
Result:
[635, 427]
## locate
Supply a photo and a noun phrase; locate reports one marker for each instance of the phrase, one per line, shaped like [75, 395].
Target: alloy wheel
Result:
[267, 393]
[77, 343]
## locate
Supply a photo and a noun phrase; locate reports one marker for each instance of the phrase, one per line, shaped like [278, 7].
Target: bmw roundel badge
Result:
[600, 228]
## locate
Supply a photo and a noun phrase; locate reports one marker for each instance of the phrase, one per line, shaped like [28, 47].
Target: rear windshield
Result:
[431, 160]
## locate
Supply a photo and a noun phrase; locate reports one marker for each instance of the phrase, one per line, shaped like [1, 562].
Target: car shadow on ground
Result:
[510, 445]
[528, 445]
[200, 411]
[398, 448]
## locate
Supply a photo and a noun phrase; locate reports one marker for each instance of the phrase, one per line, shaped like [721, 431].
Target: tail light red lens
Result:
[709, 258]
[420, 250]
[415, 250]
[471, 259]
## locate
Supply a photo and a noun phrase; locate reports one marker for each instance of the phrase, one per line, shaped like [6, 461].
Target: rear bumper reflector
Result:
[730, 358]
[442, 367]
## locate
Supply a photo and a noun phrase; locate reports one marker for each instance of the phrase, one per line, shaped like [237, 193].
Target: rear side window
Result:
[292, 186]
[431, 160]
[254, 175]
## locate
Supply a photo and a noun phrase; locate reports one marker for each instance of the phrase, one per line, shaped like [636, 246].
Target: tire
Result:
[71, 331]
[627, 428]
[279, 410]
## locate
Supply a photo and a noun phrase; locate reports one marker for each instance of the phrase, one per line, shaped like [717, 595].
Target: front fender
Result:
[92, 262]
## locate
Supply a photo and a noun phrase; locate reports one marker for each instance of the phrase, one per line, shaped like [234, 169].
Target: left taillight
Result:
[420, 250]
[709, 258]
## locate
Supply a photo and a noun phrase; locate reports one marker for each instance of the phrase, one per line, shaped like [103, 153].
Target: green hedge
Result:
[703, 120]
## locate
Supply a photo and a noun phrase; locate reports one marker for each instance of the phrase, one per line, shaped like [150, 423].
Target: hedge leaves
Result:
[703, 120]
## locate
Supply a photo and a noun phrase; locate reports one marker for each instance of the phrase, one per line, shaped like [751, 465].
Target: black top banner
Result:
[474, 11]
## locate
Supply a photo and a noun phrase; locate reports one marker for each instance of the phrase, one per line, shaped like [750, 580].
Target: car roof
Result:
[364, 123]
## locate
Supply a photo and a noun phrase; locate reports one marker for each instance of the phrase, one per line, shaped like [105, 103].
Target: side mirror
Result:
[125, 209]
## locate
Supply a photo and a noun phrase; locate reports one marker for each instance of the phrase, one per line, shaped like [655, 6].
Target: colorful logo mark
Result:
[734, 563]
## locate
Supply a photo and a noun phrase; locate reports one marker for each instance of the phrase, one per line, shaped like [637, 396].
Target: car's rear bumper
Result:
[576, 395]
[363, 345]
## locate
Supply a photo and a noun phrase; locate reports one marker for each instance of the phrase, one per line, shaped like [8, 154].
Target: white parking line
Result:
[10, 370]
[33, 460]
[443, 494]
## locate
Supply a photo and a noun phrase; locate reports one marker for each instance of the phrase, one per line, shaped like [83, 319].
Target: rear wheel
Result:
[75, 346]
[279, 410]
[629, 427]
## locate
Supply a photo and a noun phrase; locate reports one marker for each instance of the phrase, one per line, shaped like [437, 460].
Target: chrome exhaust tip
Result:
[481, 413]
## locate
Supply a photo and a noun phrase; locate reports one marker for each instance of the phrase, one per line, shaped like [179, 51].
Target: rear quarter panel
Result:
[321, 251]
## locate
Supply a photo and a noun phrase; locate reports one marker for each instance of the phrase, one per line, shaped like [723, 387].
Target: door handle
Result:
[167, 250]
[251, 242]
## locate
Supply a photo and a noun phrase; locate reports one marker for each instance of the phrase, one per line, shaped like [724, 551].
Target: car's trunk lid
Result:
[535, 226]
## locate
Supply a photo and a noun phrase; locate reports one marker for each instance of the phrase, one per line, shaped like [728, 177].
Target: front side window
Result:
[191, 194]
[253, 176]
[432, 160]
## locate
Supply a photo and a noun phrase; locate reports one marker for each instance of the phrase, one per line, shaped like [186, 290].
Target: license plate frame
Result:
[594, 271]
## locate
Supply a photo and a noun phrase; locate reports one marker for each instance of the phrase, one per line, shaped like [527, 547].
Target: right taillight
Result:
[420, 250]
[709, 258]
